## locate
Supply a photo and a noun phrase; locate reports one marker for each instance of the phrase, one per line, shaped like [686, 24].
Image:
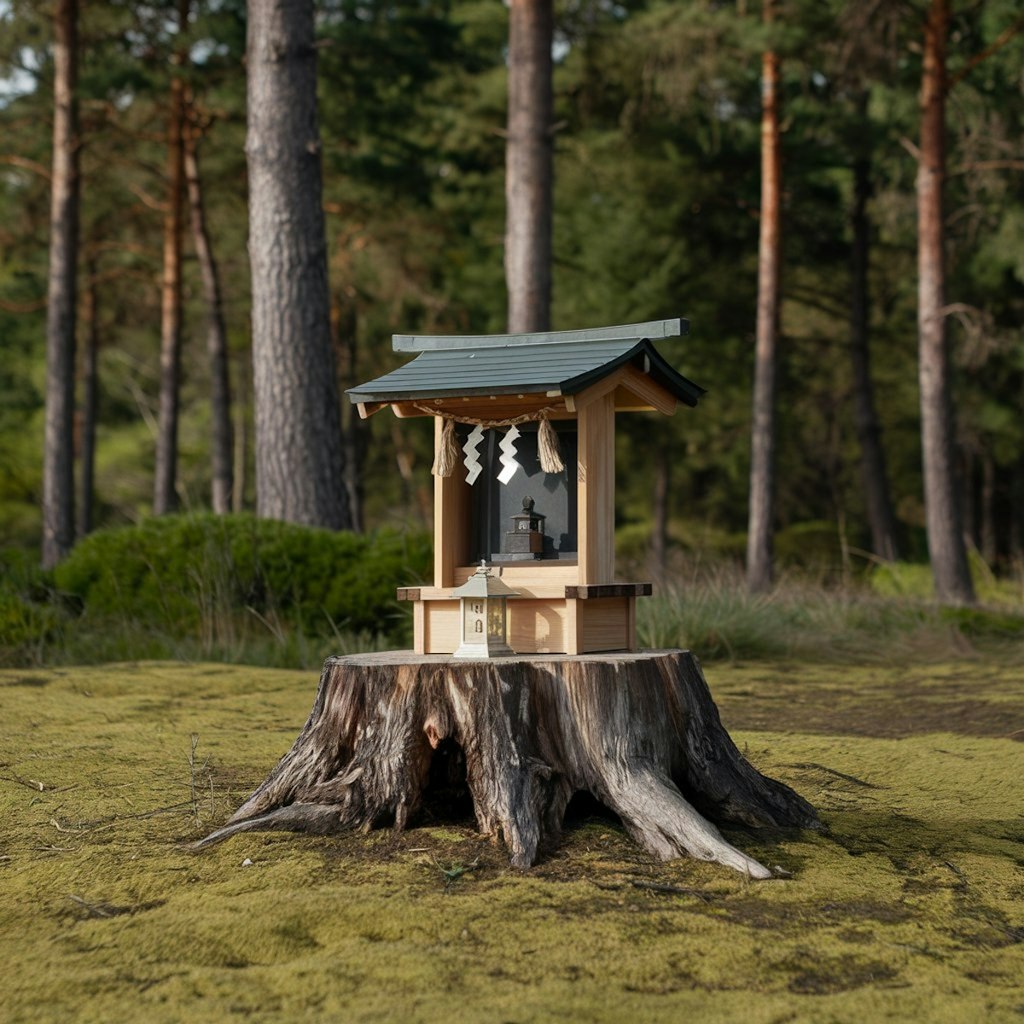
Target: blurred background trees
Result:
[655, 130]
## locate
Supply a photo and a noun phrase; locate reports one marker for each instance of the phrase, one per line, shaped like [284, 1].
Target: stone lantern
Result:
[484, 618]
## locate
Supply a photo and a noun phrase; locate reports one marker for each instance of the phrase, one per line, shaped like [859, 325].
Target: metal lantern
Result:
[483, 615]
[526, 538]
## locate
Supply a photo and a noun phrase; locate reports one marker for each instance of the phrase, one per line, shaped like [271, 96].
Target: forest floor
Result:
[909, 907]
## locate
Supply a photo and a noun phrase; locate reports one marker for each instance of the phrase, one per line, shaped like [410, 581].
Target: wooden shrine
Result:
[566, 386]
[525, 686]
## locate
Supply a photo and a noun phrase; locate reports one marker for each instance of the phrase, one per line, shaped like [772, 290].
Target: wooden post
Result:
[595, 494]
[451, 521]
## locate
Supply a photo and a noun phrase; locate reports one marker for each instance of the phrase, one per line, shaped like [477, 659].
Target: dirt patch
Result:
[869, 701]
[822, 976]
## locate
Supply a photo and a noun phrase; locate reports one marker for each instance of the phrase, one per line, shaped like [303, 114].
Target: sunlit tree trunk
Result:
[872, 457]
[528, 166]
[165, 474]
[943, 514]
[221, 445]
[300, 475]
[58, 453]
[762, 448]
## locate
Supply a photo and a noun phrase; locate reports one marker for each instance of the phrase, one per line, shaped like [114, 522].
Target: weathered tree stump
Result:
[639, 731]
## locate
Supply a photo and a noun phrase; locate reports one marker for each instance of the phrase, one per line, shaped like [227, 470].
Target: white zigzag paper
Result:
[472, 459]
[508, 455]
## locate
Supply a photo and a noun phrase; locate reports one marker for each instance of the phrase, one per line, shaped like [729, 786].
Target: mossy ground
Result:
[911, 907]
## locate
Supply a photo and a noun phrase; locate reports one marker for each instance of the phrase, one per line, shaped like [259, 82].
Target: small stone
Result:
[246, 863]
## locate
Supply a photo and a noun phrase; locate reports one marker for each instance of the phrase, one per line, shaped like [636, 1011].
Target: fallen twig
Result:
[674, 890]
[94, 909]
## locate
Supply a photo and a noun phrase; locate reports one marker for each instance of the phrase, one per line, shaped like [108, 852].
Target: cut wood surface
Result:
[637, 730]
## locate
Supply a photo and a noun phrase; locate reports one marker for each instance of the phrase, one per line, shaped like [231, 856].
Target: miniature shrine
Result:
[533, 416]
[526, 685]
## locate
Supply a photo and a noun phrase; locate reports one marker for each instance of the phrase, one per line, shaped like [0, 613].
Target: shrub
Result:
[180, 572]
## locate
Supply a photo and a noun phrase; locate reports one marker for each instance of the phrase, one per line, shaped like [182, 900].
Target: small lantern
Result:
[526, 538]
[484, 629]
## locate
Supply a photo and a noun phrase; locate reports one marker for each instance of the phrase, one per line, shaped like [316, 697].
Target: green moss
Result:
[909, 907]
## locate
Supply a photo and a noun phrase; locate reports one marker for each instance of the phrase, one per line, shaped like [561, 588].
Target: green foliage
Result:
[656, 214]
[909, 580]
[180, 570]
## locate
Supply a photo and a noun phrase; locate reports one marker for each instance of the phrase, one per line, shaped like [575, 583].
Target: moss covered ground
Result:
[910, 907]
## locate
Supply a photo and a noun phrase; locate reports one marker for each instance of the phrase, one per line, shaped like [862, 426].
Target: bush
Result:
[181, 572]
[911, 580]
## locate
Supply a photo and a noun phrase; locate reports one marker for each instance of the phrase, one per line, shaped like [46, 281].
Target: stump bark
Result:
[637, 730]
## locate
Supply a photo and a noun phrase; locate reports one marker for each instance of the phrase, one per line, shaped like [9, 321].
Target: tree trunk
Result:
[528, 166]
[165, 498]
[943, 514]
[762, 447]
[638, 731]
[87, 442]
[299, 457]
[221, 444]
[872, 457]
[58, 453]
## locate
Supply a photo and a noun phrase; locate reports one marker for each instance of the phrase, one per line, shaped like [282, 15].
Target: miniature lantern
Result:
[526, 538]
[484, 630]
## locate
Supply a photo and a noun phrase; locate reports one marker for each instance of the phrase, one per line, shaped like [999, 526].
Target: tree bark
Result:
[221, 442]
[87, 433]
[762, 448]
[299, 456]
[881, 518]
[638, 731]
[528, 166]
[58, 453]
[943, 514]
[165, 498]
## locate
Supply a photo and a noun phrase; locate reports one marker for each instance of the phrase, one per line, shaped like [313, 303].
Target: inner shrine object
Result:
[530, 417]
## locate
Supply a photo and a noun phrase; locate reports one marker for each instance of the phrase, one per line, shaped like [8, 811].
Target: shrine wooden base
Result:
[637, 730]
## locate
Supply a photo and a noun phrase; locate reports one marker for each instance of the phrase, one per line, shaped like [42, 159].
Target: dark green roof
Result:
[562, 361]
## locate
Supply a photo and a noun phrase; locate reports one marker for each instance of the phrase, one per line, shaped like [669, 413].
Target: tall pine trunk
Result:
[58, 452]
[300, 474]
[528, 166]
[165, 474]
[943, 513]
[87, 443]
[762, 448]
[221, 443]
[872, 457]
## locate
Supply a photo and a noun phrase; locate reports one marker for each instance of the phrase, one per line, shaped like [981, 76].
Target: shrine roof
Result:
[552, 362]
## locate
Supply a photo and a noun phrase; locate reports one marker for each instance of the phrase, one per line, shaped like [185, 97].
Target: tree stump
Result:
[637, 730]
